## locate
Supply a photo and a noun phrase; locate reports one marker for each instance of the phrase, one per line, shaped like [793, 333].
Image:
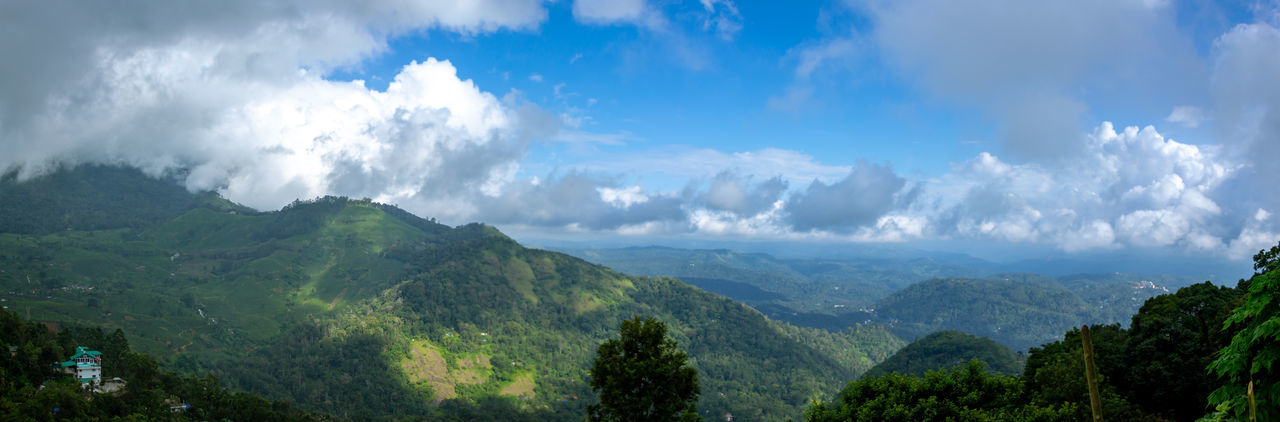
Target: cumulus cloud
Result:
[234, 95]
[579, 200]
[867, 193]
[736, 194]
[1133, 187]
[235, 98]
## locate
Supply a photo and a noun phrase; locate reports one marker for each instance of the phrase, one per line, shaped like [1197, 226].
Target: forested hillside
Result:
[1017, 310]
[945, 349]
[365, 311]
[31, 388]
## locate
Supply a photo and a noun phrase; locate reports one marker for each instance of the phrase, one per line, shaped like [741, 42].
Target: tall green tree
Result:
[1255, 350]
[1174, 337]
[643, 376]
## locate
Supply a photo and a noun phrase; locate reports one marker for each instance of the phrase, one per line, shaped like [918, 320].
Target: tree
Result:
[967, 393]
[1174, 337]
[1255, 350]
[1266, 260]
[643, 377]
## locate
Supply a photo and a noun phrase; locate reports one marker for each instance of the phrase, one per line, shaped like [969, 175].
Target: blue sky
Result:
[626, 80]
[1076, 128]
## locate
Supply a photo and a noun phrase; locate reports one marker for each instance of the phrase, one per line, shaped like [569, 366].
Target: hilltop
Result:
[945, 349]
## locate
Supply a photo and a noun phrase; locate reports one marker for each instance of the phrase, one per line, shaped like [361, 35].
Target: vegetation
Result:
[365, 311]
[89, 197]
[945, 349]
[1158, 369]
[913, 296]
[1252, 355]
[799, 285]
[1017, 310]
[643, 376]
[965, 393]
[32, 388]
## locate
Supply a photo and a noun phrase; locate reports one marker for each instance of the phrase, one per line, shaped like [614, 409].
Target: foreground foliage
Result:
[967, 393]
[1254, 352]
[642, 376]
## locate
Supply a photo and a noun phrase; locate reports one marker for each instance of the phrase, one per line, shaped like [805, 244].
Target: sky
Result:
[1076, 128]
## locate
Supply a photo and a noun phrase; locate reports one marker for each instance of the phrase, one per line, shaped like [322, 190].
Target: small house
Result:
[85, 365]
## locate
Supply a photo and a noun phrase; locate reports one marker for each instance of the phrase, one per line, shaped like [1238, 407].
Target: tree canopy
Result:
[643, 376]
[1255, 349]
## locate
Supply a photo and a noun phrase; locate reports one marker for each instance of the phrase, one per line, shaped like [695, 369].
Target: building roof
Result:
[81, 351]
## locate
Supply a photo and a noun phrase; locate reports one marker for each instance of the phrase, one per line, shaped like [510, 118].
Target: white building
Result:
[86, 365]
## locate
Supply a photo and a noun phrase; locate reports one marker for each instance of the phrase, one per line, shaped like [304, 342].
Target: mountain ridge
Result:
[280, 303]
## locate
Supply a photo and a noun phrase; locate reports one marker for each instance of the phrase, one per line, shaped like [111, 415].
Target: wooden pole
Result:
[1253, 406]
[1091, 374]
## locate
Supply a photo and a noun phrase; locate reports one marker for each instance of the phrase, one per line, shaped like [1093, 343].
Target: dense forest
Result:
[32, 388]
[948, 348]
[1185, 356]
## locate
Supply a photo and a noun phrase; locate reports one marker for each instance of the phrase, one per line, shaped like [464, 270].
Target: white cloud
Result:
[736, 194]
[604, 12]
[722, 18]
[235, 98]
[1133, 187]
[1247, 101]
[686, 163]
[1186, 116]
[865, 195]
[835, 53]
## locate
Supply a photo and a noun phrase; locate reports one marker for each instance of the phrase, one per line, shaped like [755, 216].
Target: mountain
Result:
[945, 349]
[90, 197]
[915, 296]
[366, 311]
[1018, 310]
[824, 286]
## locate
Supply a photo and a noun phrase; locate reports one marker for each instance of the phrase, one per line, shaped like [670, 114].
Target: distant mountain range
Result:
[912, 296]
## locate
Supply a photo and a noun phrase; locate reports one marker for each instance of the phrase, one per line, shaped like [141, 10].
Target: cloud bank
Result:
[243, 106]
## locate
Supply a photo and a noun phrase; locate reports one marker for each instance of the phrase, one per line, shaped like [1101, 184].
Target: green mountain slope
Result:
[89, 198]
[366, 311]
[33, 389]
[1018, 310]
[1017, 314]
[945, 349]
